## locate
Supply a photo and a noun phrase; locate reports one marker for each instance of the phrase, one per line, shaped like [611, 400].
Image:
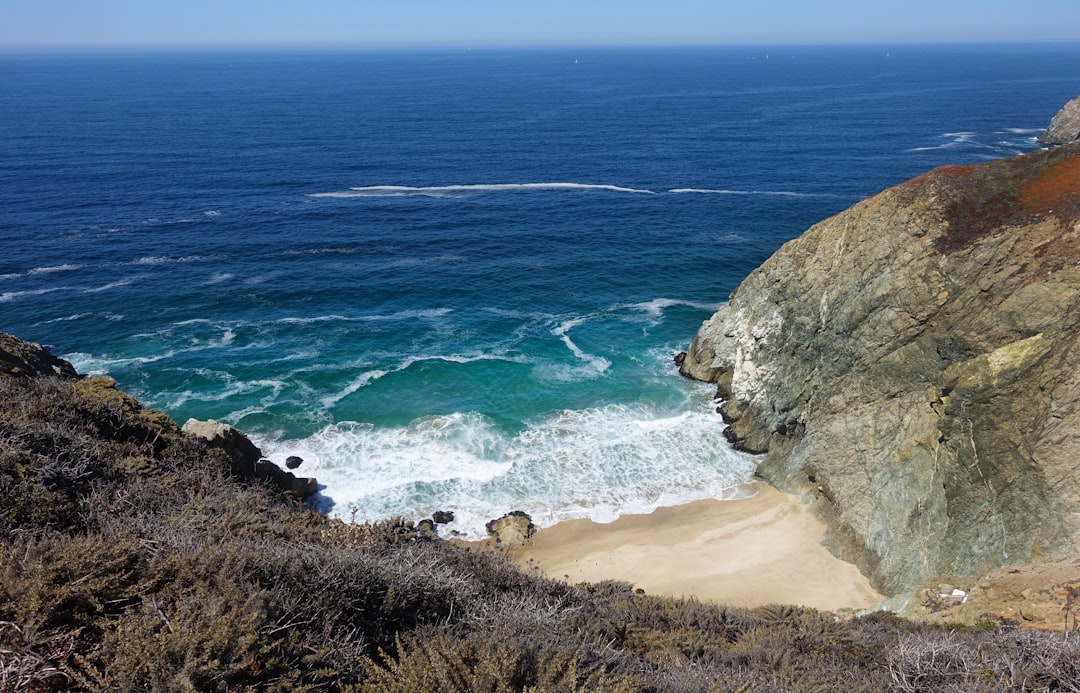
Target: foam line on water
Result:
[598, 463]
[599, 364]
[370, 376]
[447, 190]
[656, 307]
[170, 260]
[9, 296]
[955, 140]
[112, 285]
[231, 388]
[49, 269]
[417, 314]
[722, 191]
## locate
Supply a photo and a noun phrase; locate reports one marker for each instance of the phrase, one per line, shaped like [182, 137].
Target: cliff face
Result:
[1065, 127]
[910, 366]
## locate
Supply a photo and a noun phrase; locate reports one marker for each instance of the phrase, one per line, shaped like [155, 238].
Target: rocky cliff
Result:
[910, 367]
[1065, 127]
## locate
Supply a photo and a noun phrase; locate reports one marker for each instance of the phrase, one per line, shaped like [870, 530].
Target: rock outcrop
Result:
[31, 360]
[246, 459]
[512, 529]
[910, 366]
[1065, 126]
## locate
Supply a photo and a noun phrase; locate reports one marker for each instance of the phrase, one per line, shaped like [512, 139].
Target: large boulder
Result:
[1065, 126]
[246, 458]
[512, 529]
[911, 367]
[302, 487]
[30, 360]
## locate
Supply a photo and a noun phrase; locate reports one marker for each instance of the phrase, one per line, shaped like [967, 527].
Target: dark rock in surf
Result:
[512, 529]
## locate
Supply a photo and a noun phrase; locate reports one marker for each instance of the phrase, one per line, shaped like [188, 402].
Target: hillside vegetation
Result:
[131, 560]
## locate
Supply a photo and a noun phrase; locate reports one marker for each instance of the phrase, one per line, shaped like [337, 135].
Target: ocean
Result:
[455, 280]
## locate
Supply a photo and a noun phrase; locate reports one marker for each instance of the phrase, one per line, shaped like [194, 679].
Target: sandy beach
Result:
[765, 549]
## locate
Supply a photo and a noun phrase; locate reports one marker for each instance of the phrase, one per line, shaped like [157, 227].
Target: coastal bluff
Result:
[910, 367]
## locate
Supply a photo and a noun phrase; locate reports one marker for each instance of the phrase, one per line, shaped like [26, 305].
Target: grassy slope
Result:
[130, 560]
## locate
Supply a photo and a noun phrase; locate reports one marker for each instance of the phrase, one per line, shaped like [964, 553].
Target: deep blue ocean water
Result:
[456, 280]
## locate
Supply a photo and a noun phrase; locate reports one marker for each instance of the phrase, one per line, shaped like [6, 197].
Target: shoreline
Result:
[752, 551]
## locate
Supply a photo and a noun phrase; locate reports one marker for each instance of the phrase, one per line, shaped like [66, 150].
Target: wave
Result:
[656, 307]
[370, 376]
[50, 269]
[232, 388]
[451, 190]
[598, 463]
[958, 138]
[596, 364]
[112, 285]
[69, 318]
[777, 193]
[218, 278]
[168, 260]
[417, 314]
[363, 380]
[9, 296]
[103, 365]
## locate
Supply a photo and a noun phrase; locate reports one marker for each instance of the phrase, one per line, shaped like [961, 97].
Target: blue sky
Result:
[479, 23]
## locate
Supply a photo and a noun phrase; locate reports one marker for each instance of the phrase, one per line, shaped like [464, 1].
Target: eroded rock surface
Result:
[512, 529]
[1065, 127]
[911, 366]
[31, 360]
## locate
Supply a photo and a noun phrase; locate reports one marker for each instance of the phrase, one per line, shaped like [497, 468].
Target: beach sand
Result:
[765, 549]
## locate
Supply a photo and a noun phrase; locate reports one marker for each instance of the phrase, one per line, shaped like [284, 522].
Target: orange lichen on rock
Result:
[1056, 190]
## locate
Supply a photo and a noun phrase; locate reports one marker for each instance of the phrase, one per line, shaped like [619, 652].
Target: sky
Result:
[35, 24]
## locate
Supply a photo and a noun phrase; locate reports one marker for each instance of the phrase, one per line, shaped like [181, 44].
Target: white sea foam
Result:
[66, 320]
[711, 191]
[370, 376]
[218, 278]
[418, 314]
[596, 364]
[955, 139]
[9, 296]
[598, 463]
[212, 213]
[54, 268]
[230, 388]
[656, 307]
[111, 285]
[363, 380]
[1022, 131]
[450, 190]
[169, 260]
[103, 365]
[51, 269]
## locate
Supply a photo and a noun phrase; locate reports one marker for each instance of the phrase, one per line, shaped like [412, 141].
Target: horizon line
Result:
[285, 47]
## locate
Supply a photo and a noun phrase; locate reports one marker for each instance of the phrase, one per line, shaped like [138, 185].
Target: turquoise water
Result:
[456, 281]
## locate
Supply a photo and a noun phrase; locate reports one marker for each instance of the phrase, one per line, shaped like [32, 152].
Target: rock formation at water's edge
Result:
[1065, 126]
[910, 366]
